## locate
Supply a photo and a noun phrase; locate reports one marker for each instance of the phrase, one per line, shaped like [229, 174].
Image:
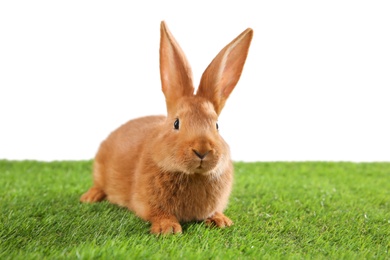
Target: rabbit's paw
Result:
[165, 227]
[93, 195]
[219, 220]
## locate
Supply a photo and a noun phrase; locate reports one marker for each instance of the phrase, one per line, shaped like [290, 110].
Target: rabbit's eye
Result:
[217, 126]
[176, 124]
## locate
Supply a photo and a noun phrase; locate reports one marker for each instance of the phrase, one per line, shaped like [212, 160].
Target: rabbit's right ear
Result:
[175, 71]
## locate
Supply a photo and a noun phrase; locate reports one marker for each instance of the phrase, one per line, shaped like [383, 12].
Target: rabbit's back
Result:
[118, 157]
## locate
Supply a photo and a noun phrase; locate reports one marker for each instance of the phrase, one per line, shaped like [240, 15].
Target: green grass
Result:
[281, 210]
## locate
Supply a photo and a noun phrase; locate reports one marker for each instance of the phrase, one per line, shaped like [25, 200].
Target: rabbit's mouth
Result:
[200, 167]
[203, 167]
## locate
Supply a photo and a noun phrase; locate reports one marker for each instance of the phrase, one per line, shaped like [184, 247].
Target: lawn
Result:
[281, 210]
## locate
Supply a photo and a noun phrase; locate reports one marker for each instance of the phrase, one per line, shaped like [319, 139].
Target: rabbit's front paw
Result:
[166, 226]
[219, 220]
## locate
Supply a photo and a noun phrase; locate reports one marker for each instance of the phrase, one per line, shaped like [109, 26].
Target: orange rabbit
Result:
[175, 168]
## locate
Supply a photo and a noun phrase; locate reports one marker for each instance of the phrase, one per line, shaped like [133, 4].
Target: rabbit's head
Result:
[189, 140]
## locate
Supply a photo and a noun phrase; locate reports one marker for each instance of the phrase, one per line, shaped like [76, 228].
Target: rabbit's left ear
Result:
[175, 71]
[223, 73]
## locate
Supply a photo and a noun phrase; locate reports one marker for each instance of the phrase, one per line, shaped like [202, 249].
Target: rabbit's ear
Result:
[223, 73]
[175, 71]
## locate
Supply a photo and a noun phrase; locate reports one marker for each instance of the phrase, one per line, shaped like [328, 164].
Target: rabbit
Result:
[177, 168]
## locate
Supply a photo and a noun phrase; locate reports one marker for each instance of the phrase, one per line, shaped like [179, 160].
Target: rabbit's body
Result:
[124, 169]
[176, 168]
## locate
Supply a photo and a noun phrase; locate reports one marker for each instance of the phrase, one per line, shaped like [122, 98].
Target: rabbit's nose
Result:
[201, 155]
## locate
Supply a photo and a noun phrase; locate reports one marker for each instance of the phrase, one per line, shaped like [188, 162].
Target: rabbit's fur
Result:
[175, 168]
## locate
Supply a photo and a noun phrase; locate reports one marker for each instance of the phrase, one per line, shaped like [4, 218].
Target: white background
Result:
[315, 86]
